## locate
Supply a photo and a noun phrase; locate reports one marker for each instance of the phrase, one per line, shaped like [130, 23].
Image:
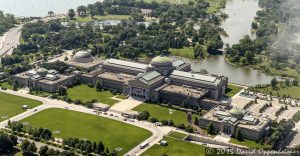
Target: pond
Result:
[241, 14]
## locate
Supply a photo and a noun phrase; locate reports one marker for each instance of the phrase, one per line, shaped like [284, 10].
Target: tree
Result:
[62, 90]
[43, 150]
[98, 86]
[144, 115]
[28, 148]
[287, 82]
[7, 142]
[210, 128]
[274, 83]
[71, 13]
[100, 147]
[295, 82]
[196, 121]
[238, 134]
[200, 51]
[50, 13]
[81, 10]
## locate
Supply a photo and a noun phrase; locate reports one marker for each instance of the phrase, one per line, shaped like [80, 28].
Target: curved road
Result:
[11, 40]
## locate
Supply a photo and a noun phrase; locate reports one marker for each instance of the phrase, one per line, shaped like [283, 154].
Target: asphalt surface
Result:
[11, 41]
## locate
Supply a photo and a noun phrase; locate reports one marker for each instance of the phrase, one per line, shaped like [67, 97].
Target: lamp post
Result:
[170, 112]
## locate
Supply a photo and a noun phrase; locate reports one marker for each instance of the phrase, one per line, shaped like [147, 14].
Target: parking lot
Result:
[241, 101]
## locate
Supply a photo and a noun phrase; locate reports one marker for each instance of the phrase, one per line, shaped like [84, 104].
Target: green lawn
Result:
[11, 105]
[290, 91]
[85, 93]
[6, 85]
[121, 96]
[162, 113]
[97, 17]
[81, 125]
[250, 143]
[232, 90]
[176, 148]
[184, 52]
[177, 135]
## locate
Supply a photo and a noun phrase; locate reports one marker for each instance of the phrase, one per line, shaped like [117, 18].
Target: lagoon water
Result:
[40, 7]
[241, 14]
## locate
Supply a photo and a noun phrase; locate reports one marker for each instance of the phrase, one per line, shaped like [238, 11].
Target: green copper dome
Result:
[236, 112]
[161, 59]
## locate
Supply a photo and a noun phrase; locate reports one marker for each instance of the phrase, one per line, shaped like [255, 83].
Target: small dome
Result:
[237, 112]
[161, 61]
[83, 57]
[42, 72]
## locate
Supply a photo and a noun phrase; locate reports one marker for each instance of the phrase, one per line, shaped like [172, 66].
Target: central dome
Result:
[238, 113]
[83, 57]
[161, 61]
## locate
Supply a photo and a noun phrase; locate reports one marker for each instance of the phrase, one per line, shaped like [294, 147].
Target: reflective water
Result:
[241, 14]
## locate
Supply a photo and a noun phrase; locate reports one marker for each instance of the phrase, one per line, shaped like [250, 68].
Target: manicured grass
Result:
[85, 93]
[176, 148]
[6, 85]
[11, 105]
[215, 5]
[121, 96]
[185, 52]
[162, 113]
[232, 90]
[177, 135]
[97, 17]
[81, 125]
[293, 92]
[250, 143]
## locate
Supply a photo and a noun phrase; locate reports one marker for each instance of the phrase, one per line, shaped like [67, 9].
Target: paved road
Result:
[11, 41]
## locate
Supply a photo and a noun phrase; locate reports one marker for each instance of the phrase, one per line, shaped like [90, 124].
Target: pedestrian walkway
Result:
[126, 105]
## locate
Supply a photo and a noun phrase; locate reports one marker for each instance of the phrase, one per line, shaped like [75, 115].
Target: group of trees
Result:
[88, 146]
[28, 148]
[282, 130]
[6, 22]
[46, 151]
[36, 133]
[7, 142]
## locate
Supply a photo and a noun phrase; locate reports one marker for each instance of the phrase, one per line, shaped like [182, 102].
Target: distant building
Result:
[101, 107]
[162, 80]
[228, 120]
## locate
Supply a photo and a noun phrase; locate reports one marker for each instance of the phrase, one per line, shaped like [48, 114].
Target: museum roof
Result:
[150, 76]
[178, 63]
[187, 91]
[193, 76]
[127, 64]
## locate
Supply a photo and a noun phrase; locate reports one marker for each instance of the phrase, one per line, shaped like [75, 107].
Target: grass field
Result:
[80, 125]
[293, 91]
[177, 135]
[176, 148]
[250, 143]
[215, 5]
[97, 17]
[232, 90]
[185, 52]
[11, 105]
[162, 113]
[6, 85]
[85, 93]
